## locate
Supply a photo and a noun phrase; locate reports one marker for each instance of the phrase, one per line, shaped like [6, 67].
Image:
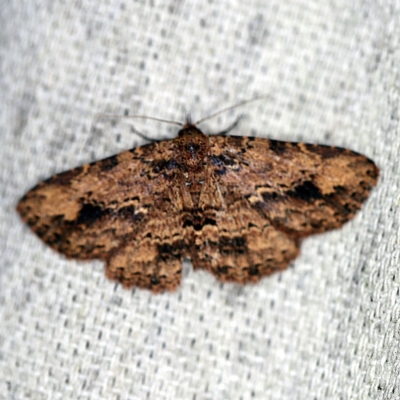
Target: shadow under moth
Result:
[236, 206]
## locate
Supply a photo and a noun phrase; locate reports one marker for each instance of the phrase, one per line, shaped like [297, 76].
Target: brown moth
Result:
[236, 206]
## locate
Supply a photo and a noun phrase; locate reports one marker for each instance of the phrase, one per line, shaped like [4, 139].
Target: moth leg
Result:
[146, 137]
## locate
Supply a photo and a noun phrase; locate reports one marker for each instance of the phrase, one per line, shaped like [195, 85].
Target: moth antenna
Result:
[241, 103]
[142, 117]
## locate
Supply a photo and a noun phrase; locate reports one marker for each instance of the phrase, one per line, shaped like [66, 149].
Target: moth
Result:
[237, 207]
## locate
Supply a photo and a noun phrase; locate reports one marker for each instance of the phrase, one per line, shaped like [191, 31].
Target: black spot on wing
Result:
[305, 191]
[277, 146]
[198, 224]
[164, 165]
[128, 212]
[271, 196]
[326, 151]
[230, 245]
[254, 270]
[340, 190]
[223, 270]
[210, 221]
[219, 165]
[222, 160]
[90, 213]
[167, 251]
[374, 171]
[108, 163]
[154, 280]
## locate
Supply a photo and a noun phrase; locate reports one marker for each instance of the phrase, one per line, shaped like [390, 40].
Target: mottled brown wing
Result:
[275, 193]
[120, 209]
[301, 188]
[236, 244]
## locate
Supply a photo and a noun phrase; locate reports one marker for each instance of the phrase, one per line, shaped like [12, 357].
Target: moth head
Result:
[193, 147]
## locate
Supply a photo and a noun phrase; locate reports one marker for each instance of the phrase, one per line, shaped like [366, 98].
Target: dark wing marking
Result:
[300, 188]
[91, 210]
[239, 245]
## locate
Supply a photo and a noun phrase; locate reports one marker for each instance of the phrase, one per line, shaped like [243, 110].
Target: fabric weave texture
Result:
[326, 328]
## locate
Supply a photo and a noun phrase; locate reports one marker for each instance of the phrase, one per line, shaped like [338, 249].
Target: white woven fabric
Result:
[328, 327]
